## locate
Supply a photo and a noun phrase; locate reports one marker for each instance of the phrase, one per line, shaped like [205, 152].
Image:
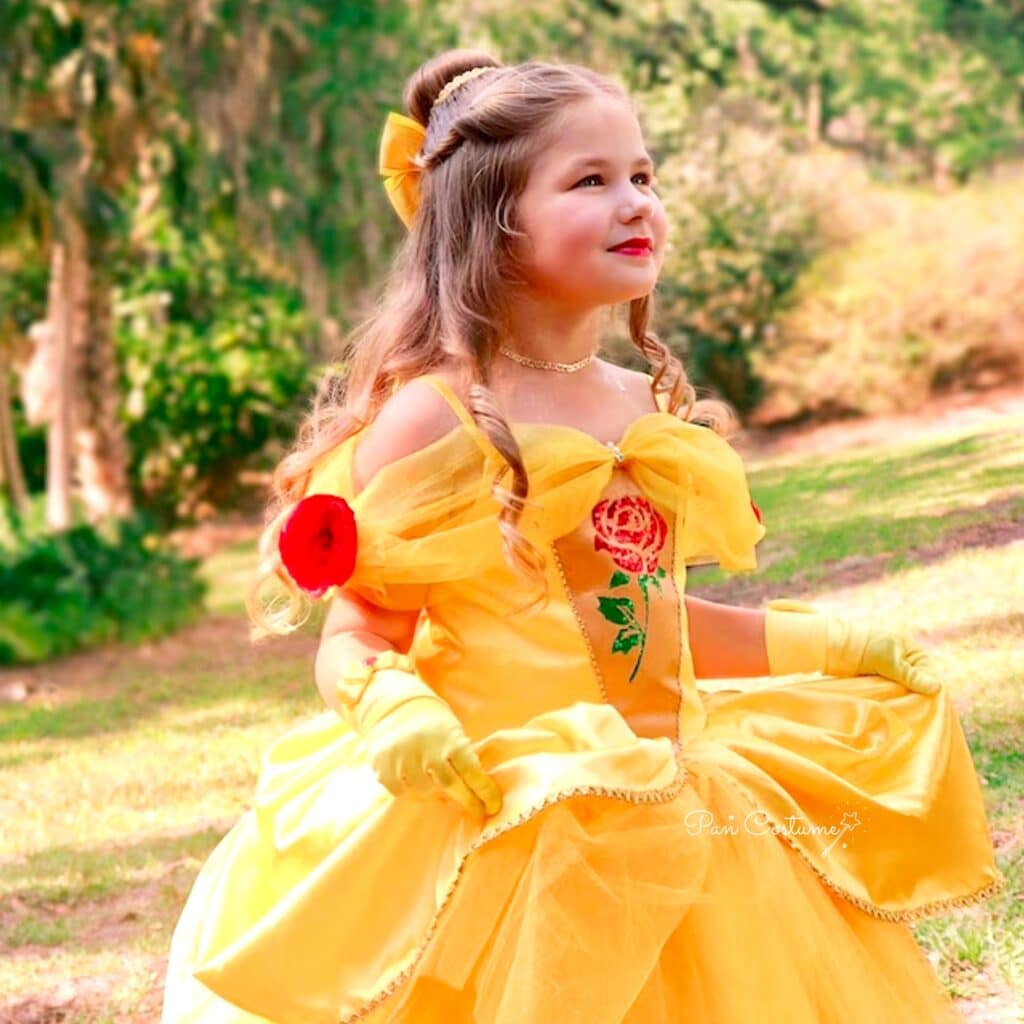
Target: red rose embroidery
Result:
[631, 530]
[318, 543]
[757, 511]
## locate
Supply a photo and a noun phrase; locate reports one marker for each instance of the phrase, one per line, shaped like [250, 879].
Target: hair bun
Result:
[458, 80]
[430, 79]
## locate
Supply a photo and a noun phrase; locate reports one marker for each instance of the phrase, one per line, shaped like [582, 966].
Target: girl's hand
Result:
[799, 639]
[880, 653]
[417, 744]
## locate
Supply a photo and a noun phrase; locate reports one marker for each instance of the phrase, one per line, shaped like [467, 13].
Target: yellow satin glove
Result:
[416, 743]
[800, 639]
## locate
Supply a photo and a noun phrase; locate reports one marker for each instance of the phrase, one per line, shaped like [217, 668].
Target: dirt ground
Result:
[940, 414]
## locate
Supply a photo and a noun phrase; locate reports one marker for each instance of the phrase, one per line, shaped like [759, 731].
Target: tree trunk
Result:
[814, 112]
[12, 479]
[101, 451]
[60, 301]
[747, 59]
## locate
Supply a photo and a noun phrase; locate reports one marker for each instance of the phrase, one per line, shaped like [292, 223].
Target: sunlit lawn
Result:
[114, 789]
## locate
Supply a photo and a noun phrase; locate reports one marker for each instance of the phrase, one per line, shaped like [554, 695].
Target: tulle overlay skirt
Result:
[622, 883]
[604, 911]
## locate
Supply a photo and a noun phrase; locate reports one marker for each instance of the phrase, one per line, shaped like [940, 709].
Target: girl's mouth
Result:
[634, 247]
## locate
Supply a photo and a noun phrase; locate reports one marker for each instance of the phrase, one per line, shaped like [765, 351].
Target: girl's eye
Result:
[650, 181]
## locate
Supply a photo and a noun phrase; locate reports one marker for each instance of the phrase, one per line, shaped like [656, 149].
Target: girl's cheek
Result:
[574, 234]
[660, 224]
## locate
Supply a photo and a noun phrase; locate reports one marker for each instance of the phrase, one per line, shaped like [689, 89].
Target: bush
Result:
[743, 228]
[84, 587]
[212, 352]
[919, 292]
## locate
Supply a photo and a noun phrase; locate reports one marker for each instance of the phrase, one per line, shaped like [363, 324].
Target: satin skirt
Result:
[625, 881]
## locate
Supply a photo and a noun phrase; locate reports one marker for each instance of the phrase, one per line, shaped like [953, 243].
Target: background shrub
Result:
[86, 586]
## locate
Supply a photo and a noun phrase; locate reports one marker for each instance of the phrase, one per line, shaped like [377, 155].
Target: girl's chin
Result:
[607, 293]
[628, 294]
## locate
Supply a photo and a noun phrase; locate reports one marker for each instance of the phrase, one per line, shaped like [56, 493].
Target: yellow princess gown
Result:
[665, 853]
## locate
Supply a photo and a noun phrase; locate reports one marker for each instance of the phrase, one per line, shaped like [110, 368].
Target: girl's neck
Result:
[527, 394]
[545, 331]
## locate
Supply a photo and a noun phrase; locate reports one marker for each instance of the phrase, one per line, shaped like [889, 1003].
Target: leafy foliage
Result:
[745, 226]
[253, 128]
[82, 587]
[914, 86]
[924, 294]
[213, 356]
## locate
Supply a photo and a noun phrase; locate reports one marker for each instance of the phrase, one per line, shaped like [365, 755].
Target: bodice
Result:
[617, 525]
[618, 571]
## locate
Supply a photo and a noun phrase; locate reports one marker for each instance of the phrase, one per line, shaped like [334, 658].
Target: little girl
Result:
[522, 805]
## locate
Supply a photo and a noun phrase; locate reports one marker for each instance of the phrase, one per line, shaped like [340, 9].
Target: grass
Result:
[117, 782]
[866, 501]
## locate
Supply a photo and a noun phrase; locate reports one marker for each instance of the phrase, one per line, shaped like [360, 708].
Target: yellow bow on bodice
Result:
[685, 469]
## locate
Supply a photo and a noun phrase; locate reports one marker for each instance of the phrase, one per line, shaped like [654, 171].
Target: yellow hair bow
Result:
[401, 141]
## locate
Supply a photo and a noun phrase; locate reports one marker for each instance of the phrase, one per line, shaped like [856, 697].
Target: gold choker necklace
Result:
[544, 364]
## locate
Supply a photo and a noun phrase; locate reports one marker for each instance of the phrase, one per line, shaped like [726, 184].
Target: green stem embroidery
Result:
[643, 633]
[622, 612]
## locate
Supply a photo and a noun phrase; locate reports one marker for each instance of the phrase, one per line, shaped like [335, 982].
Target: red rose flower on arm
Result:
[318, 543]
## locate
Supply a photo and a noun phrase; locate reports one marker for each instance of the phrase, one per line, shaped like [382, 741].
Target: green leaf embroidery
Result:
[614, 609]
[622, 612]
[625, 642]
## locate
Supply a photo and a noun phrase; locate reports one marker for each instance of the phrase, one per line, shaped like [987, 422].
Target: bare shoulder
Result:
[636, 384]
[416, 415]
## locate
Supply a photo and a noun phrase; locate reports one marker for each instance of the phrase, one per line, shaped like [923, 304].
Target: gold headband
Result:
[465, 76]
[401, 143]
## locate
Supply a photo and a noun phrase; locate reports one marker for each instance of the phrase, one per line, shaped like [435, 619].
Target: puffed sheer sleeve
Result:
[721, 525]
[420, 521]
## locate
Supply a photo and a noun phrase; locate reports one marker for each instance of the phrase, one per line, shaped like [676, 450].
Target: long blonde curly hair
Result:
[442, 300]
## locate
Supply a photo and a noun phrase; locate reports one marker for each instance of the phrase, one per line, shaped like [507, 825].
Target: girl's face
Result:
[589, 191]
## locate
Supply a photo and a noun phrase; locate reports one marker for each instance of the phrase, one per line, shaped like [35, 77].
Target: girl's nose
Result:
[634, 203]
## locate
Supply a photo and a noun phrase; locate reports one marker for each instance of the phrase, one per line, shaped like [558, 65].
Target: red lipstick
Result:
[638, 246]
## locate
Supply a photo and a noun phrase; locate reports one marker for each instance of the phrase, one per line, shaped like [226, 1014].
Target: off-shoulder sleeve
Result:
[420, 521]
[722, 526]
